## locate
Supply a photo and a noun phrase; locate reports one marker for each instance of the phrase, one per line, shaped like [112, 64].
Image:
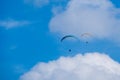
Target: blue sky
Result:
[27, 36]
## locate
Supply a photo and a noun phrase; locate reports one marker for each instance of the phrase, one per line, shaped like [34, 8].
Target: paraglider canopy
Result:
[68, 36]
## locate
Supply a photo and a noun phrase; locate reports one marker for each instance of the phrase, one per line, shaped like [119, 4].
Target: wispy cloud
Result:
[19, 68]
[91, 66]
[41, 3]
[37, 3]
[98, 17]
[13, 23]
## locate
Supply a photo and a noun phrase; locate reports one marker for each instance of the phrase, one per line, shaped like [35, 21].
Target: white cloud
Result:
[13, 23]
[98, 17]
[37, 3]
[91, 66]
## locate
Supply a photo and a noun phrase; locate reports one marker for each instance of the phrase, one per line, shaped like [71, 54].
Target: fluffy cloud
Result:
[13, 23]
[90, 66]
[98, 17]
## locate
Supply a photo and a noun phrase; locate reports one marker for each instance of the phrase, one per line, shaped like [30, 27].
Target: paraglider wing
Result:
[85, 34]
[67, 36]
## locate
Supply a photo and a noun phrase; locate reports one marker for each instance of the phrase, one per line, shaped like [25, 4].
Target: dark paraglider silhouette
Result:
[69, 36]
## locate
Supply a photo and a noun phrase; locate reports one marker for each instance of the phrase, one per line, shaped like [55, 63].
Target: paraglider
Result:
[86, 37]
[69, 36]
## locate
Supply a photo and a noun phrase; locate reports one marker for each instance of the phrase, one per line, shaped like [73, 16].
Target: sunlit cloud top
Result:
[91, 66]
